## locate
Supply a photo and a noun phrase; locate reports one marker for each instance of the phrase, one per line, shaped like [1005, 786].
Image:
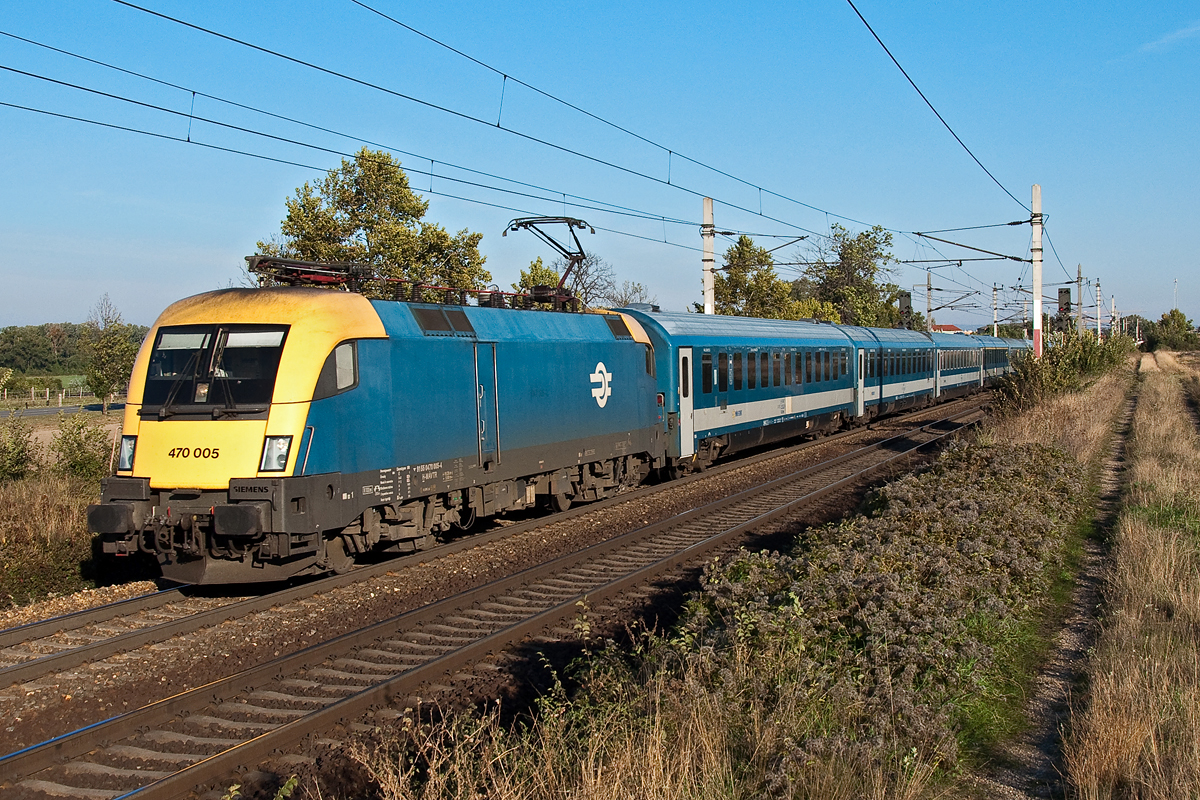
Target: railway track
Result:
[199, 737]
[29, 653]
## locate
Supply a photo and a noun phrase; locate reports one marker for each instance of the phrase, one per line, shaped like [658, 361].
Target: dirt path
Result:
[1030, 765]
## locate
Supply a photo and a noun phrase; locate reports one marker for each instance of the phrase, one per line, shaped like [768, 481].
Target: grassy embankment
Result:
[1136, 729]
[50, 471]
[874, 659]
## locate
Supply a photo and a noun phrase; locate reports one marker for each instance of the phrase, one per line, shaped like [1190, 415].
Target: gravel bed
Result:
[70, 603]
[70, 699]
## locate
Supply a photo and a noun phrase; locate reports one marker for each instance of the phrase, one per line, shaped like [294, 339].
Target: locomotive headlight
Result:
[275, 453]
[125, 459]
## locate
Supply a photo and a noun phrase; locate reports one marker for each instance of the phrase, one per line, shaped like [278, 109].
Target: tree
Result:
[57, 338]
[109, 351]
[590, 280]
[365, 212]
[848, 271]
[1173, 331]
[538, 274]
[747, 286]
[629, 292]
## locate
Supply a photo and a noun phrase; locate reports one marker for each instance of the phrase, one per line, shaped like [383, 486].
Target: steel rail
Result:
[88, 616]
[32, 669]
[216, 766]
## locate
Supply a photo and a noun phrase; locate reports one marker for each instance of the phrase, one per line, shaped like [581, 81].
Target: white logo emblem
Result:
[603, 377]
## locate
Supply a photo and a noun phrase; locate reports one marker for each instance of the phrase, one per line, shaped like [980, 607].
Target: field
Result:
[1136, 729]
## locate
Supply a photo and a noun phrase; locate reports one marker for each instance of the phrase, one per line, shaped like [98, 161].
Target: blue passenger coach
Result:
[730, 383]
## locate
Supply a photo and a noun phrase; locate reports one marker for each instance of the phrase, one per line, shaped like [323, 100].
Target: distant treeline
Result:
[54, 348]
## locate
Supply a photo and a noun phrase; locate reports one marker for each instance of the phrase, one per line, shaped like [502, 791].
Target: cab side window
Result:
[339, 373]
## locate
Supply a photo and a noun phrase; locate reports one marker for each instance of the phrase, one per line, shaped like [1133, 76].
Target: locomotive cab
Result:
[218, 399]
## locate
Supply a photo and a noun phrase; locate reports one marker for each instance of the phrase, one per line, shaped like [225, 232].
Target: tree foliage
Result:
[538, 274]
[849, 272]
[747, 286]
[18, 450]
[109, 351]
[365, 212]
[1174, 331]
[81, 448]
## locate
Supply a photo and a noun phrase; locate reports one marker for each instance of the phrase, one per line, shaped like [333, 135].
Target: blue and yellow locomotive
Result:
[284, 431]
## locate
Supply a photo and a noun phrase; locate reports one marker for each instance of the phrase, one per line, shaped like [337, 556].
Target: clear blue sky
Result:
[1095, 102]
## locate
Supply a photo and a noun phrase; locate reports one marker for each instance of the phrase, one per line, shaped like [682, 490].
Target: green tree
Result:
[109, 350]
[81, 448]
[538, 274]
[747, 286]
[18, 450]
[849, 272]
[1173, 331]
[365, 212]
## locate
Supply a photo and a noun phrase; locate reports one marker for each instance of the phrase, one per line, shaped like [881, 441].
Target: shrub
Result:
[18, 451]
[1068, 359]
[81, 448]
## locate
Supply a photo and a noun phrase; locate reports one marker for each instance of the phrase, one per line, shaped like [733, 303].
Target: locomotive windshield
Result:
[213, 367]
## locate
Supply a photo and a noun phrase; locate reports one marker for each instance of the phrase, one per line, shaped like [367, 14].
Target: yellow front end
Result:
[206, 453]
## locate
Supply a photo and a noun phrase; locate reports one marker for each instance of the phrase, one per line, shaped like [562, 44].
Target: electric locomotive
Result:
[283, 431]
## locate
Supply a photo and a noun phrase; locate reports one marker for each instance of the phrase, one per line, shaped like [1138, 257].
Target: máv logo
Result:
[604, 378]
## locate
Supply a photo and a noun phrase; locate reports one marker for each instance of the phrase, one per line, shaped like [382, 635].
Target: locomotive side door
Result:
[687, 426]
[487, 404]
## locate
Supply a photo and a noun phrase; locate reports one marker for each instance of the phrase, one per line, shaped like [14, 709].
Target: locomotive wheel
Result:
[336, 557]
[560, 502]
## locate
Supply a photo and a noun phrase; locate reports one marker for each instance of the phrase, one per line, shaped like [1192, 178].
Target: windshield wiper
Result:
[193, 363]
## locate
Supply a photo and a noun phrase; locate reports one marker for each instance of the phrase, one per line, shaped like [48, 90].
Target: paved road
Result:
[41, 411]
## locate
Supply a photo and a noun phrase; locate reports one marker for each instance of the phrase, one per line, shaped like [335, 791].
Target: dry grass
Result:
[679, 739]
[1078, 423]
[1136, 731]
[44, 541]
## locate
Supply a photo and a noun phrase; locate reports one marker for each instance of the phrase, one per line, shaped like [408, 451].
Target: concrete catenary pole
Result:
[1035, 251]
[707, 233]
[1079, 298]
[1113, 322]
[928, 300]
[1099, 309]
[994, 320]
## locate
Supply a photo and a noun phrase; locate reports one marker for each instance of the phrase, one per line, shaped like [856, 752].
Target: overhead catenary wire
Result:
[934, 110]
[460, 114]
[670, 152]
[323, 129]
[432, 172]
[611, 209]
[290, 162]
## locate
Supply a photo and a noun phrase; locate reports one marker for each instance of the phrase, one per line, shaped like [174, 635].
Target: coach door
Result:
[487, 405]
[687, 427]
[860, 384]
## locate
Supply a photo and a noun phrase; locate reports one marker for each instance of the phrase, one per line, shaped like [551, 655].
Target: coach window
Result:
[751, 370]
[764, 363]
[837, 362]
[787, 369]
[706, 372]
[685, 377]
[777, 370]
[723, 372]
[737, 372]
[807, 366]
[845, 362]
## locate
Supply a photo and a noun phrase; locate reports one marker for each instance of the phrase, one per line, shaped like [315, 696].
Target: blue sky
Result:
[1095, 102]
